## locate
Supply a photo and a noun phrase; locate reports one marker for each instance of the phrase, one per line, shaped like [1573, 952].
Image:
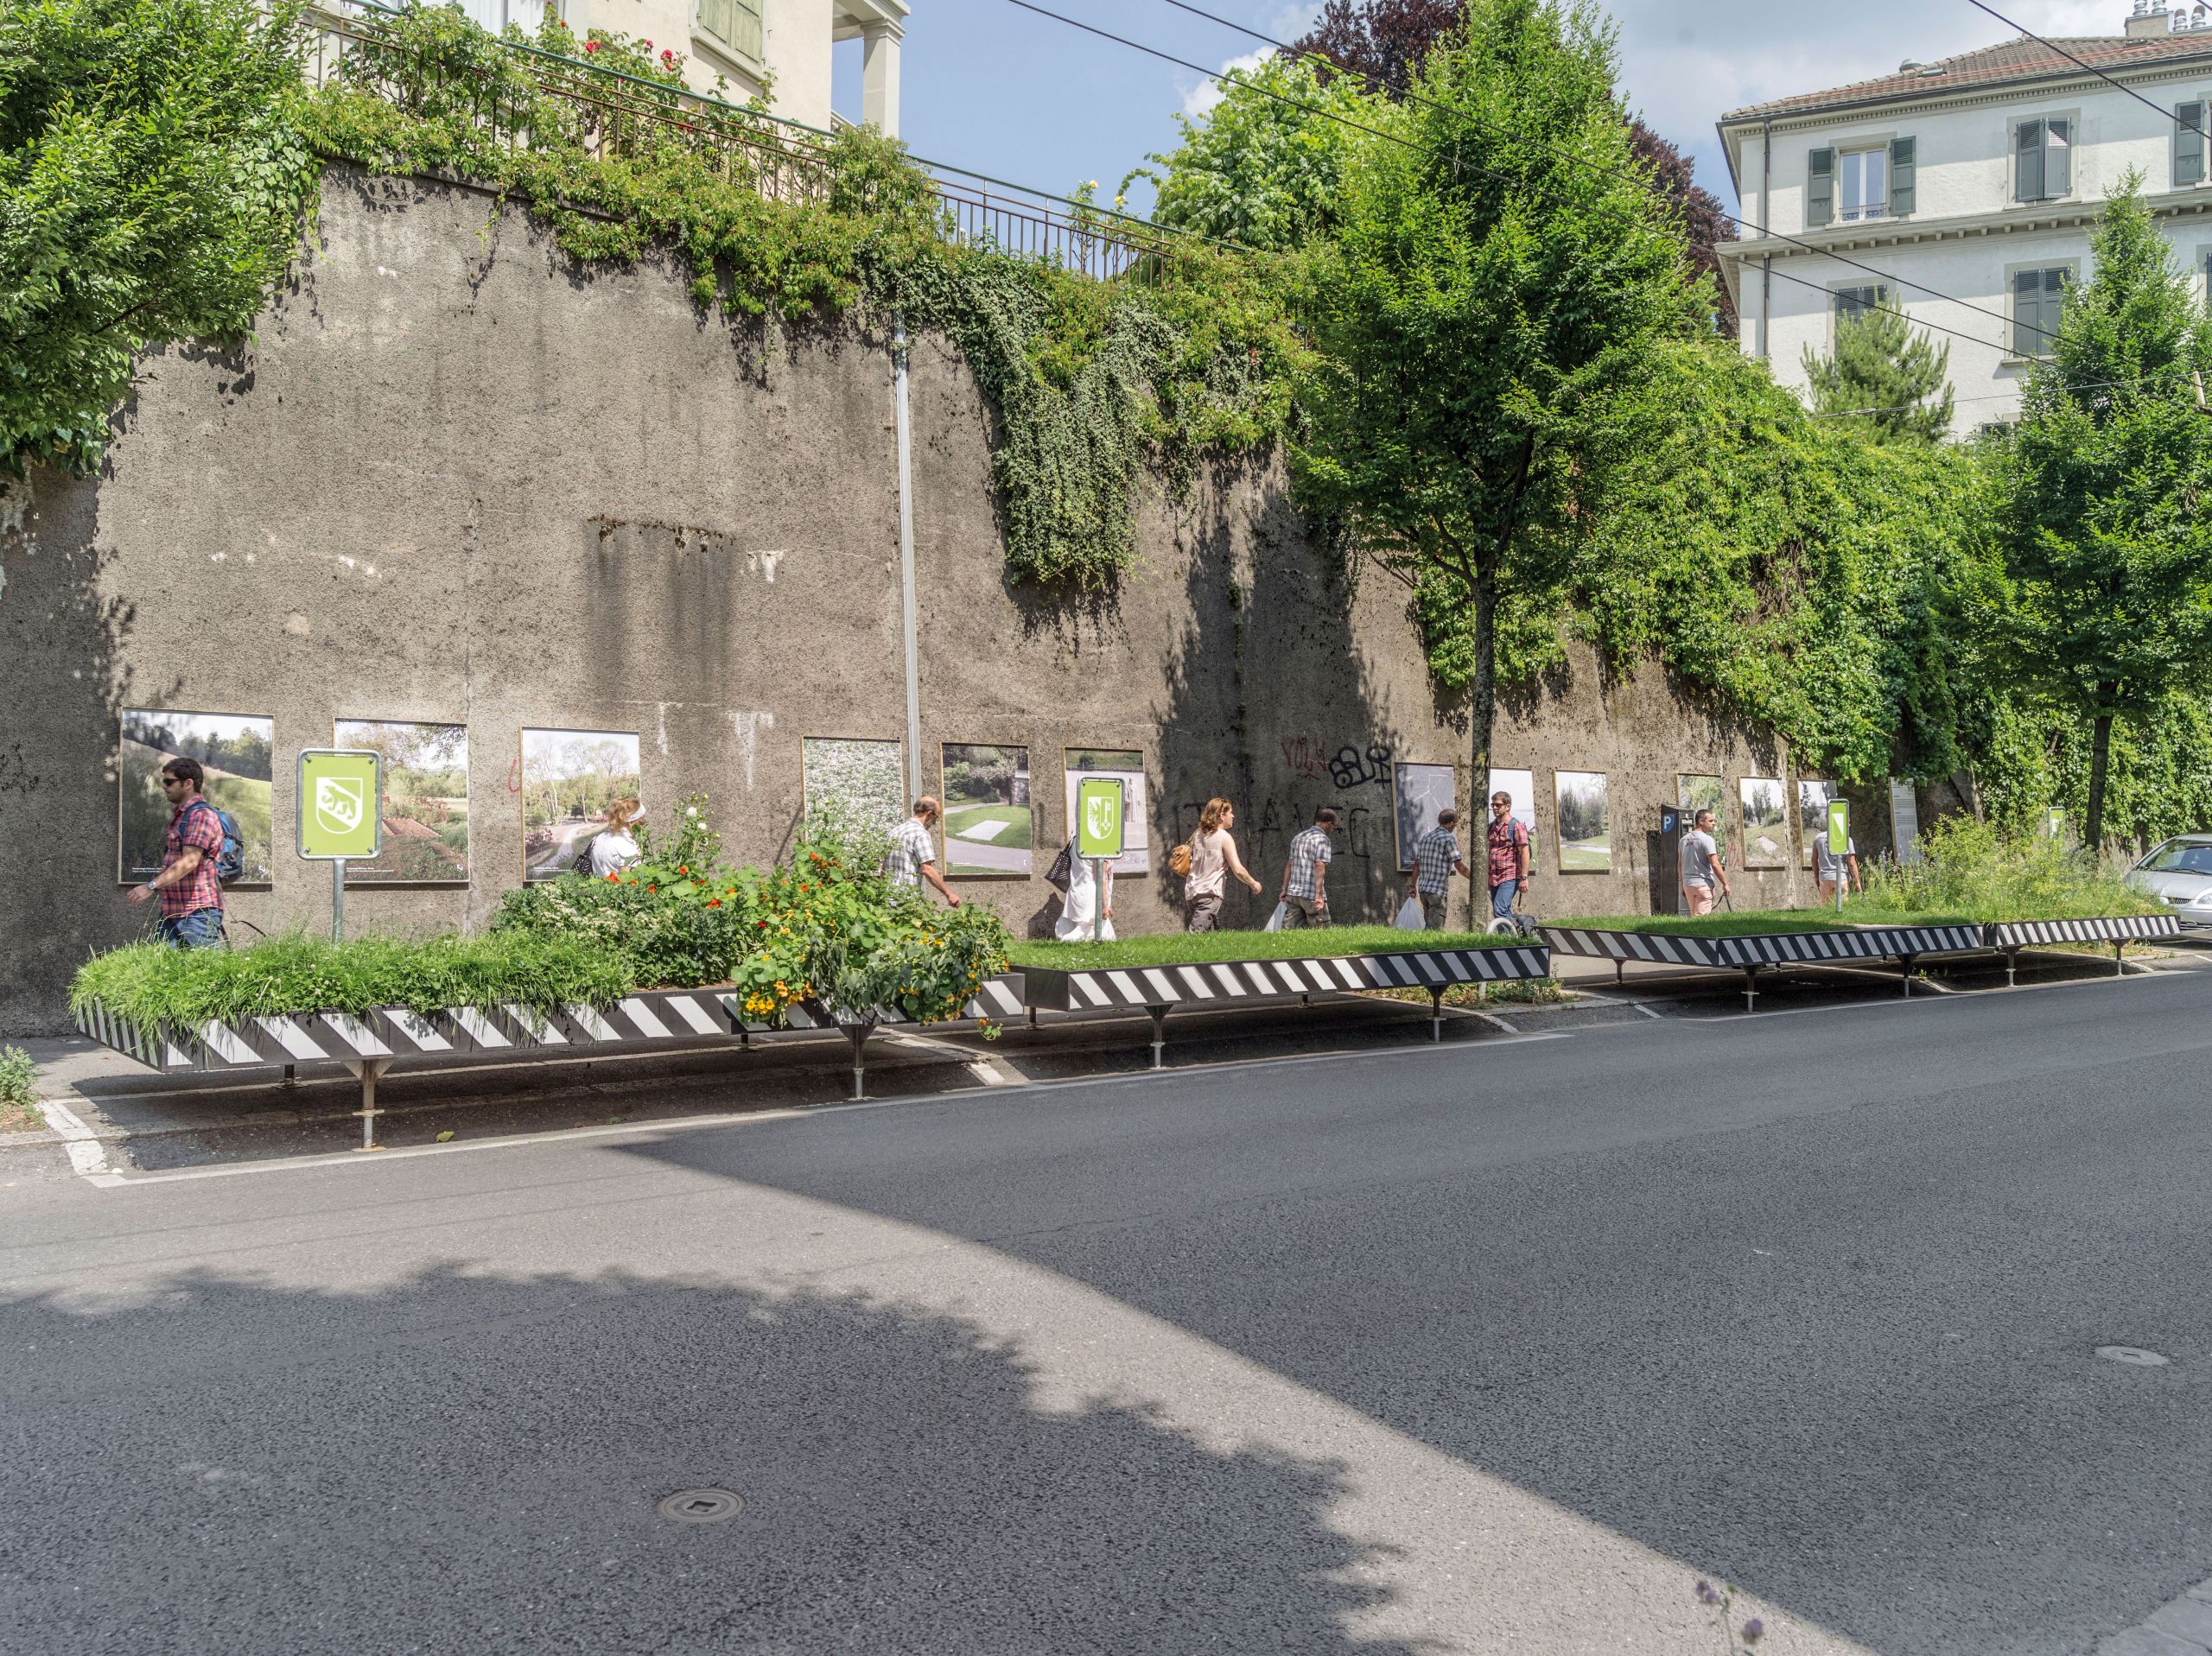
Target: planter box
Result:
[2112, 928]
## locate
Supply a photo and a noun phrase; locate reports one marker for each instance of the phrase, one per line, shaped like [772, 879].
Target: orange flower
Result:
[714, 903]
[614, 879]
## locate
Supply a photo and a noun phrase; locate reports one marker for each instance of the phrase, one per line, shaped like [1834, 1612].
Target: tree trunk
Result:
[1482, 709]
[2093, 832]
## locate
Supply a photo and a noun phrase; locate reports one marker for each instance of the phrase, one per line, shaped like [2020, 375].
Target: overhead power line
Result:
[2088, 68]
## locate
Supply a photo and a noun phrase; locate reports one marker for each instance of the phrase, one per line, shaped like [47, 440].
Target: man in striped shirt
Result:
[1436, 859]
[912, 856]
[1305, 894]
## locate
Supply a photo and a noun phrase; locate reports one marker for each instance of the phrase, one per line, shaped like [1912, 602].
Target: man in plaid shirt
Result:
[912, 856]
[1305, 892]
[1436, 859]
[190, 890]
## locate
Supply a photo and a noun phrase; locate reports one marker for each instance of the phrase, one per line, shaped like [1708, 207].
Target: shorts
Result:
[1203, 912]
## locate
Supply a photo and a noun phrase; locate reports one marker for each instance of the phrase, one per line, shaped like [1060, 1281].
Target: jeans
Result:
[201, 929]
[1500, 898]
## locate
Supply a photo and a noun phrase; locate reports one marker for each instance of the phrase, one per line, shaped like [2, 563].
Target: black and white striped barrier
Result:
[369, 1043]
[1158, 989]
[2118, 929]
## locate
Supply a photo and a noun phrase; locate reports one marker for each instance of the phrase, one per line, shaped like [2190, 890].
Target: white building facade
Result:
[787, 44]
[1963, 192]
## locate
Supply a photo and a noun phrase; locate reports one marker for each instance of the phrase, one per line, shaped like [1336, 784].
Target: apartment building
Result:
[1963, 190]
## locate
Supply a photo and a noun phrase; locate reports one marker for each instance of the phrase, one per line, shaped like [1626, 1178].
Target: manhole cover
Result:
[701, 1506]
[2135, 1356]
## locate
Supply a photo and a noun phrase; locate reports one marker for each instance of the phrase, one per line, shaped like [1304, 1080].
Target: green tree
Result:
[1896, 381]
[2106, 538]
[1489, 319]
[152, 173]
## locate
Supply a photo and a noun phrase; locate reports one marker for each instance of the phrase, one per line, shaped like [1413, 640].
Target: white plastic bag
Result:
[1410, 918]
[1276, 920]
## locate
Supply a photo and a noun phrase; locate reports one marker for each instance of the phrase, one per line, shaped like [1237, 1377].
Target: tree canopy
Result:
[1897, 382]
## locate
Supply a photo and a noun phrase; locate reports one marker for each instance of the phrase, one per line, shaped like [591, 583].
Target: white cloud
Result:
[1285, 25]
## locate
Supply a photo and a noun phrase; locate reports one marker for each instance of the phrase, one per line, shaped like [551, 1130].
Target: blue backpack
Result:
[230, 861]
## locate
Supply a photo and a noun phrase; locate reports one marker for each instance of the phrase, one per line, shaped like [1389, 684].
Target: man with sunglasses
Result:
[188, 886]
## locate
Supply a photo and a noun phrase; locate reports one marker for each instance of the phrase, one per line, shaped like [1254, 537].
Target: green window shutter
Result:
[2027, 154]
[2189, 144]
[2057, 158]
[1820, 188]
[2027, 305]
[1901, 195]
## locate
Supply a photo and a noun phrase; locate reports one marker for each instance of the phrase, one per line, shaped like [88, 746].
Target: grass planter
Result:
[1225, 969]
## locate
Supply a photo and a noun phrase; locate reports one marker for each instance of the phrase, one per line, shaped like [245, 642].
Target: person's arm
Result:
[1283, 893]
[1235, 866]
[929, 874]
[1521, 857]
[186, 865]
[1858, 879]
[1106, 889]
[1720, 867]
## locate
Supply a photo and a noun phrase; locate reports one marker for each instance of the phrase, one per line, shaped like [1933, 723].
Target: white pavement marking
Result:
[87, 1156]
[2181, 1628]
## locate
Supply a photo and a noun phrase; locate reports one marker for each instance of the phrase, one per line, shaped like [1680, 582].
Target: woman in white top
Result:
[613, 848]
[1087, 916]
[1213, 859]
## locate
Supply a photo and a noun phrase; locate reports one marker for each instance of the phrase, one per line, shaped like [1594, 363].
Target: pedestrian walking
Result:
[189, 884]
[1508, 855]
[1704, 866]
[1305, 893]
[1436, 859]
[614, 847]
[1087, 910]
[1211, 859]
[1829, 866]
[912, 856]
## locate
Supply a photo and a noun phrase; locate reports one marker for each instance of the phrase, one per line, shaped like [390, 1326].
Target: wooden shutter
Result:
[2057, 157]
[1820, 188]
[1901, 195]
[2027, 308]
[2189, 144]
[2027, 161]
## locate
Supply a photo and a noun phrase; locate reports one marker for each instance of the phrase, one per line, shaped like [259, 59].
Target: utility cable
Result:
[2089, 68]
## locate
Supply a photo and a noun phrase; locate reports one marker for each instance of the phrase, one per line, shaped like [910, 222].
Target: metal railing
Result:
[511, 89]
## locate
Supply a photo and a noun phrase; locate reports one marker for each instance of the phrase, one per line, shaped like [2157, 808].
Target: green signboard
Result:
[1839, 827]
[339, 799]
[1098, 823]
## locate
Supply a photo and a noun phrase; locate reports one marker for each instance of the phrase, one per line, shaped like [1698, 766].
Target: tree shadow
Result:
[462, 1462]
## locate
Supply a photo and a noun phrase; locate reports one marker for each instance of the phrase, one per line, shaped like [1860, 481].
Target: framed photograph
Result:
[425, 802]
[1695, 793]
[1812, 796]
[1520, 786]
[860, 780]
[568, 779]
[989, 825]
[236, 751]
[1766, 822]
[1421, 792]
[1586, 836]
[1127, 765]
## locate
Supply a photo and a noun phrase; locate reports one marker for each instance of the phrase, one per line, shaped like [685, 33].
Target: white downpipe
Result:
[911, 599]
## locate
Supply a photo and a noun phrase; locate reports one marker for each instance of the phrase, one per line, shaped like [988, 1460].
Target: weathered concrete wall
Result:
[459, 479]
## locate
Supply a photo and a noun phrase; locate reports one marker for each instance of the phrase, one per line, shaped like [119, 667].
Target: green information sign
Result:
[341, 793]
[1098, 824]
[1839, 827]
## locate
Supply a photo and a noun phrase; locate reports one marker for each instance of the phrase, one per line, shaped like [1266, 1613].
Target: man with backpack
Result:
[199, 843]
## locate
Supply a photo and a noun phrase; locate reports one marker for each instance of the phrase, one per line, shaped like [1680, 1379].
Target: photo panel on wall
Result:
[854, 784]
[1127, 765]
[1586, 841]
[236, 752]
[425, 801]
[1813, 798]
[1520, 787]
[989, 824]
[1698, 793]
[570, 778]
[1420, 793]
[1766, 822]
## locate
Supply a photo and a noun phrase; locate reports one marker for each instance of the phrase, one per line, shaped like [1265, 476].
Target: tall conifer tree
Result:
[1896, 380]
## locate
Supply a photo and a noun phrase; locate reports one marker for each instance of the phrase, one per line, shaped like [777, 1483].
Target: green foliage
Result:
[1256, 169]
[1747, 923]
[149, 985]
[1490, 321]
[1187, 948]
[1978, 871]
[18, 1091]
[2032, 753]
[1894, 381]
[1087, 381]
[2107, 545]
[152, 178]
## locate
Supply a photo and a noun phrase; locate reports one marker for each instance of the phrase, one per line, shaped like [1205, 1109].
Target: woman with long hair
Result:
[1213, 859]
[613, 847]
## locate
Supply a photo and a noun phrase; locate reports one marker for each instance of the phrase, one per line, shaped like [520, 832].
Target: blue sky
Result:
[997, 90]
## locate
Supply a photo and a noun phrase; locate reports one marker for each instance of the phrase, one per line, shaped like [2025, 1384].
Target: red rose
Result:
[591, 45]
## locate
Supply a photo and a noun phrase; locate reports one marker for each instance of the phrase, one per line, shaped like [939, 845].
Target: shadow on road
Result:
[462, 1463]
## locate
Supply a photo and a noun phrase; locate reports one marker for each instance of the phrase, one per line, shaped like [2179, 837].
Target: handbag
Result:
[1179, 862]
[1062, 870]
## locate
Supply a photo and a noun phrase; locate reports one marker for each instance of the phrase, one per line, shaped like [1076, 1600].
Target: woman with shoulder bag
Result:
[1205, 865]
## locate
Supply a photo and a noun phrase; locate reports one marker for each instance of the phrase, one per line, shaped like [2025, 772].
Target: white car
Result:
[2180, 871]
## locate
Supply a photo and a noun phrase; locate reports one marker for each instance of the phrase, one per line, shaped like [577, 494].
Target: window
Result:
[2037, 295]
[2189, 144]
[735, 24]
[2042, 158]
[1857, 300]
[1863, 183]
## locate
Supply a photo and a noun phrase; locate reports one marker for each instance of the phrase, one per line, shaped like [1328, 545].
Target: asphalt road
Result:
[1497, 1346]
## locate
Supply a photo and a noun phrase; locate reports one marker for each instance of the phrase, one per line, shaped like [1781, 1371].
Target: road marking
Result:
[88, 1155]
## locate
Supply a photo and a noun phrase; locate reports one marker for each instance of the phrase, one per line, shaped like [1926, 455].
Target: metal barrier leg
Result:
[857, 1034]
[1620, 973]
[1159, 1034]
[1032, 1018]
[1751, 988]
[2012, 968]
[1904, 970]
[1436, 1014]
[2118, 965]
[365, 1070]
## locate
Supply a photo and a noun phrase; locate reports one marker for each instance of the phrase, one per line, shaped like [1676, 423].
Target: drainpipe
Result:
[1766, 211]
[910, 602]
